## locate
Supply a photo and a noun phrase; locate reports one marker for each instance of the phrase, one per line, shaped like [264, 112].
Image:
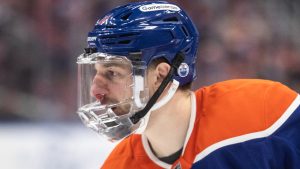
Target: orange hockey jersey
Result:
[242, 124]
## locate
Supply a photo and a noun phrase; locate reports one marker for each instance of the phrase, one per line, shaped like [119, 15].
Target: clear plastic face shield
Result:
[111, 89]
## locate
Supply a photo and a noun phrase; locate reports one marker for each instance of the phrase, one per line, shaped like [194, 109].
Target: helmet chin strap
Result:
[158, 105]
[150, 106]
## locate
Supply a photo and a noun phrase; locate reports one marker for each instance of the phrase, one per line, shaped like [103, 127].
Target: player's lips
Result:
[103, 99]
[99, 97]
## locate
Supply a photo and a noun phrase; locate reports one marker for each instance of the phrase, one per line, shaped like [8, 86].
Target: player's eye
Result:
[112, 75]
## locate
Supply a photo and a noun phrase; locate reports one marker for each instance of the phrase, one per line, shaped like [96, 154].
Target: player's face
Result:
[112, 84]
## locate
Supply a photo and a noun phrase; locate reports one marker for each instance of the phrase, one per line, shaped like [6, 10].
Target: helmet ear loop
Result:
[175, 64]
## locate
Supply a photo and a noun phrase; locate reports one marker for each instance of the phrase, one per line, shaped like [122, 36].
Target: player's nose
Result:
[99, 88]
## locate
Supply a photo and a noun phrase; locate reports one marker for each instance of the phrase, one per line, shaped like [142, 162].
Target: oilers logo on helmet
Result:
[183, 70]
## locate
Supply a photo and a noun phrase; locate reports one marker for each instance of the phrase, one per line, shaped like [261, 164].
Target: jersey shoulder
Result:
[237, 107]
[237, 85]
[123, 154]
[256, 92]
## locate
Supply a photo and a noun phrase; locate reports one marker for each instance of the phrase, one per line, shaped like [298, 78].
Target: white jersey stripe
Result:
[192, 120]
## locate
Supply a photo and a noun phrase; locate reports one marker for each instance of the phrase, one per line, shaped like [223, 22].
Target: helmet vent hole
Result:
[126, 16]
[171, 19]
[127, 34]
[187, 50]
[110, 26]
[124, 42]
[184, 31]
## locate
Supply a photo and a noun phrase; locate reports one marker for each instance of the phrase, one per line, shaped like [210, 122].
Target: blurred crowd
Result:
[41, 39]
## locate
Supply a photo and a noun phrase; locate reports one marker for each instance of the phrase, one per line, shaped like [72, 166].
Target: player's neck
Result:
[167, 127]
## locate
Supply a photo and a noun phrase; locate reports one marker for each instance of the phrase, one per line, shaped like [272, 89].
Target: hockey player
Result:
[134, 86]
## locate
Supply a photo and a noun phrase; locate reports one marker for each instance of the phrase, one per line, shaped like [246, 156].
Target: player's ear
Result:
[161, 71]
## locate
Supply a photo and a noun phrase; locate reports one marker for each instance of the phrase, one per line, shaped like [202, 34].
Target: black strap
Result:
[171, 158]
[174, 66]
[168, 159]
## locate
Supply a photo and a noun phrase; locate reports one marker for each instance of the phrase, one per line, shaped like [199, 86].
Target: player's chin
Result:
[119, 111]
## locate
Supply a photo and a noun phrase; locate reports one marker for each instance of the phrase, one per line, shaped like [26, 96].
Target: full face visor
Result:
[111, 89]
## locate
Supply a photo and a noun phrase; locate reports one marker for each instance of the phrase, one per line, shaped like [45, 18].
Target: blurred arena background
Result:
[41, 39]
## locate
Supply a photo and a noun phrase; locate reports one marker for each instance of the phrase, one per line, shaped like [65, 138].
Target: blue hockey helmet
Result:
[157, 29]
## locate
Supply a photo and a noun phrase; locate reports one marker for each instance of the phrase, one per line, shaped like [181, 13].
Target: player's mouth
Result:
[100, 97]
[106, 101]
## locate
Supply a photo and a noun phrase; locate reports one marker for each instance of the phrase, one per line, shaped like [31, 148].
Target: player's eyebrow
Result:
[114, 64]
